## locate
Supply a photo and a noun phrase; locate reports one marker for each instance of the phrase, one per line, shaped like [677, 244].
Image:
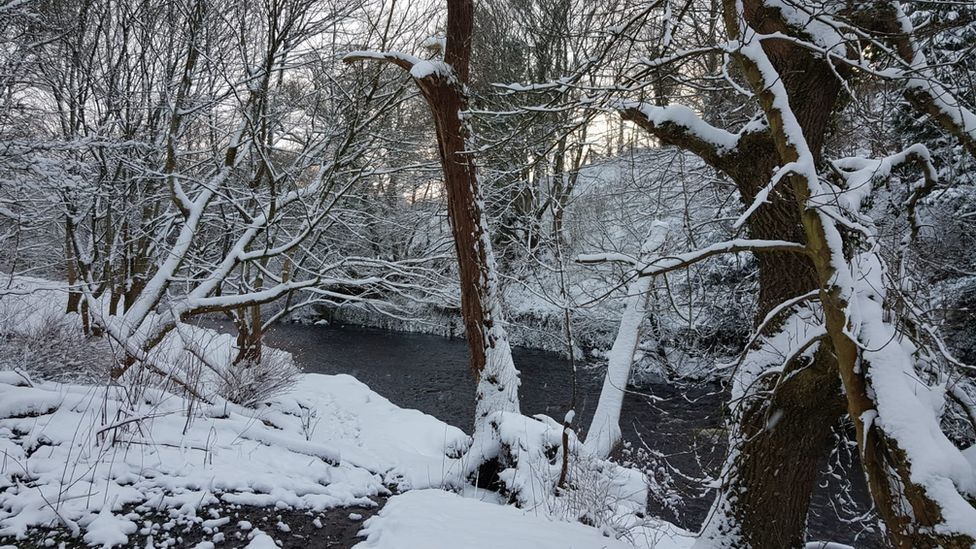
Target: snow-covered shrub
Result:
[249, 383]
[48, 344]
[44, 342]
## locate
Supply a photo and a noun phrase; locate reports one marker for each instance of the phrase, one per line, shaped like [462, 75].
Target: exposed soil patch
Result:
[227, 526]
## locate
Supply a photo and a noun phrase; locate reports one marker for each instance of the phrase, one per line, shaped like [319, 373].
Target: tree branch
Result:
[667, 264]
[922, 90]
[680, 126]
[402, 60]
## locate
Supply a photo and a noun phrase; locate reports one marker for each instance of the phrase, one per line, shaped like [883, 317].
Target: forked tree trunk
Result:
[916, 495]
[779, 433]
[250, 334]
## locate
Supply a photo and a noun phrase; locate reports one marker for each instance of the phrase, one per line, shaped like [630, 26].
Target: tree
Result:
[821, 322]
[604, 432]
[443, 85]
[194, 158]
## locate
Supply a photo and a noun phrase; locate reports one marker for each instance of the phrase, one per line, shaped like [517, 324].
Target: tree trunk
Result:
[779, 433]
[604, 432]
[247, 320]
[71, 264]
[918, 478]
[491, 356]
[443, 86]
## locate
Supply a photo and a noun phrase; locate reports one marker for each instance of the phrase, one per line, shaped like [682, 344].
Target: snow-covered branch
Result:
[403, 60]
[664, 265]
[679, 125]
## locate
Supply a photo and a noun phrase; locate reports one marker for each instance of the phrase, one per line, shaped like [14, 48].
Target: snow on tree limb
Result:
[925, 92]
[604, 432]
[920, 492]
[402, 60]
[679, 125]
[763, 195]
[664, 265]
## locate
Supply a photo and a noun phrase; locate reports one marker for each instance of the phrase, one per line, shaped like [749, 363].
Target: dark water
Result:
[431, 374]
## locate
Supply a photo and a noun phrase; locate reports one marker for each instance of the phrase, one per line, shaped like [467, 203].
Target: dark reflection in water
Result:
[431, 374]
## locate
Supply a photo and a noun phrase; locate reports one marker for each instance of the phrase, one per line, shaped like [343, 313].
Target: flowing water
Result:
[430, 373]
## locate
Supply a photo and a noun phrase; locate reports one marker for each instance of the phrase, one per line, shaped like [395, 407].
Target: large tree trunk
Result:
[443, 86]
[918, 479]
[491, 356]
[779, 432]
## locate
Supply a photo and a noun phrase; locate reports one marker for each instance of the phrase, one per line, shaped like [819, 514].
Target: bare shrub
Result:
[53, 347]
[249, 383]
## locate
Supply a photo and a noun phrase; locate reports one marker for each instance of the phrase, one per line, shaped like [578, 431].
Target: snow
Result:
[498, 380]
[604, 432]
[30, 304]
[108, 530]
[25, 401]
[423, 68]
[91, 458]
[970, 455]
[860, 173]
[380, 56]
[436, 43]
[259, 456]
[264, 456]
[908, 409]
[260, 540]
[434, 519]
[811, 23]
[406, 446]
[921, 80]
[679, 115]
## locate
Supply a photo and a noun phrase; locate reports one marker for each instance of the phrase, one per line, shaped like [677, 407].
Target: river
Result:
[430, 373]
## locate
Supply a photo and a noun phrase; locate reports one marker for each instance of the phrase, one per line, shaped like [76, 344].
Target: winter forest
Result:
[487, 274]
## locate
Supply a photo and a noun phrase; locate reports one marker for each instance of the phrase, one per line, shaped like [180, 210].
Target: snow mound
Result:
[408, 448]
[84, 457]
[435, 519]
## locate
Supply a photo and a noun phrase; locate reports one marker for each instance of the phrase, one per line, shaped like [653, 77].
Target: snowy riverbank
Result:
[144, 462]
[98, 462]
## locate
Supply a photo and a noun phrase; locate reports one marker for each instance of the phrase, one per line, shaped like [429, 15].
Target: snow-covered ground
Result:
[138, 461]
[72, 453]
[92, 459]
[408, 520]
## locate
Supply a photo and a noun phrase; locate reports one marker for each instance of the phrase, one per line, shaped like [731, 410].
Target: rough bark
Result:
[463, 213]
[768, 482]
[914, 518]
[443, 85]
[769, 479]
